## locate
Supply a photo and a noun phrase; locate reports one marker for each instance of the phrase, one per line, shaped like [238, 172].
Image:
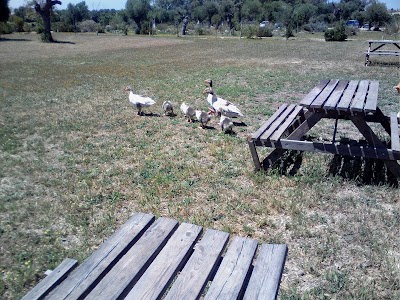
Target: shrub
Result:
[5, 28]
[289, 32]
[315, 27]
[336, 34]
[89, 26]
[264, 32]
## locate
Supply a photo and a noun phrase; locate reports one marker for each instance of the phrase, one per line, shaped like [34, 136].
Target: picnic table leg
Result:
[383, 120]
[254, 154]
[373, 139]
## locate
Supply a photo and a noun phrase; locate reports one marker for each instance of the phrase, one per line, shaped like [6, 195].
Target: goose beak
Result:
[208, 81]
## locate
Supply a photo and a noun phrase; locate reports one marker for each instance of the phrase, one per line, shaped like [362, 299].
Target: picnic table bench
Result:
[375, 48]
[331, 99]
[154, 259]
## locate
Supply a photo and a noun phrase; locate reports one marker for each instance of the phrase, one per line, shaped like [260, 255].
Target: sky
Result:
[120, 4]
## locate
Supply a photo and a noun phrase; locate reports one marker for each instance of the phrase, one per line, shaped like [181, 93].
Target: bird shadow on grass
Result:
[240, 124]
[150, 114]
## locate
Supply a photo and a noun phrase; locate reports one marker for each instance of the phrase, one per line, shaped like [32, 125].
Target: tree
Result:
[44, 8]
[137, 10]
[4, 11]
[377, 14]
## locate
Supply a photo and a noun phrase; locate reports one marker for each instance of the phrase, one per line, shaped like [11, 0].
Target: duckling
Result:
[226, 124]
[397, 87]
[188, 111]
[203, 118]
[168, 108]
[138, 101]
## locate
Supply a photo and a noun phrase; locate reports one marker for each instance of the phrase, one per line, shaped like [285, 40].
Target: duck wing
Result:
[137, 99]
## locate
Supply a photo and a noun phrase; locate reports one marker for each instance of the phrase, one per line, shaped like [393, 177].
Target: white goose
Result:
[188, 111]
[138, 101]
[220, 106]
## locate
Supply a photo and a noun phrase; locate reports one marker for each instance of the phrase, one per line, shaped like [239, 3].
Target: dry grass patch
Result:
[76, 160]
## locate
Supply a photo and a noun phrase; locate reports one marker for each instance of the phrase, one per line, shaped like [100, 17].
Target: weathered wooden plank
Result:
[53, 279]
[120, 279]
[254, 154]
[372, 97]
[384, 52]
[231, 275]
[347, 97]
[334, 98]
[194, 276]
[359, 98]
[266, 124]
[342, 149]
[324, 95]
[288, 122]
[83, 279]
[266, 277]
[165, 266]
[309, 98]
[275, 124]
[394, 128]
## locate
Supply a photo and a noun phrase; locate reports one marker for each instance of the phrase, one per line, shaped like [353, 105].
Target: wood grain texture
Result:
[347, 98]
[231, 275]
[265, 279]
[394, 128]
[82, 280]
[360, 96]
[336, 95]
[324, 95]
[309, 98]
[163, 269]
[278, 122]
[288, 122]
[197, 271]
[372, 97]
[49, 282]
[120, 279]
[267, 123]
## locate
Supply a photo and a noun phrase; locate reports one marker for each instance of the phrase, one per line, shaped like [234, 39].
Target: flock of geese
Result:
[217, 107]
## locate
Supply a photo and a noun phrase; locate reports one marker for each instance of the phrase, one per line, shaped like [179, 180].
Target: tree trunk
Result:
[44, 11]
[185, 24]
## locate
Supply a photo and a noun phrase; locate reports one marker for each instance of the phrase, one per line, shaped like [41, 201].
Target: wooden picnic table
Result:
[375, 47]
[153, 259]
[355, 100]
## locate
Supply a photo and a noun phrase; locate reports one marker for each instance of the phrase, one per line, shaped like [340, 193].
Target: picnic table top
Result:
[150, 258]
[344, 96]
[384, 41]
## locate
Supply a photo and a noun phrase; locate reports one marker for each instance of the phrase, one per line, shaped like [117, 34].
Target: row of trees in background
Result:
[142, 15]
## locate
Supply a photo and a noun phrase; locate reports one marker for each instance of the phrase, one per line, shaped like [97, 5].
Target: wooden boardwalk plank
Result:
[324, 95]
[357, 104]
[336, 95]
[309, 98]
[394, 131]
[288, 122]
[231, 275]
[82, 280]
[165, 266]
[120, 279]
[275, 125]
[348, 95]
[372, 97]
[266, 124]
[265, 279]
[53, 279]
[194, 276]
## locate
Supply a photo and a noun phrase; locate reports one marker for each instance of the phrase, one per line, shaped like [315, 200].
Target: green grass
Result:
[76, 161]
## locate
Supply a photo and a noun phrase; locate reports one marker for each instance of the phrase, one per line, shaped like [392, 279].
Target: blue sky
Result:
[120, 4]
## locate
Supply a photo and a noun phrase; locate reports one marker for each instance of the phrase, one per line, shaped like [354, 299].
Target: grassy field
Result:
[76, 161]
